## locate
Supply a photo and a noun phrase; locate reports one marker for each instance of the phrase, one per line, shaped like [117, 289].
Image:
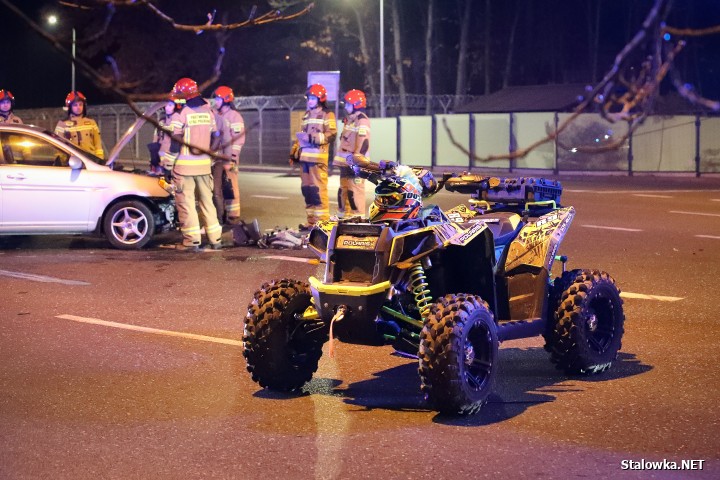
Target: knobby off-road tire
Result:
[282, 352]
[560, 284]
[458, 354]
[588, 323]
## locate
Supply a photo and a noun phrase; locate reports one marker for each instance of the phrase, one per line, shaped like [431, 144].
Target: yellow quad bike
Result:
[442, 287]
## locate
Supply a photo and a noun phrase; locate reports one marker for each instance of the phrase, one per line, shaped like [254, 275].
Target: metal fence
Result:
[662, 144]
[267, 122]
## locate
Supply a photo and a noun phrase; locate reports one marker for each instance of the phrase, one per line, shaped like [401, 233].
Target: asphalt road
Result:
[163, 392]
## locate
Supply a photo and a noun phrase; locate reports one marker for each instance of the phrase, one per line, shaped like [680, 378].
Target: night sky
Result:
[551, 46]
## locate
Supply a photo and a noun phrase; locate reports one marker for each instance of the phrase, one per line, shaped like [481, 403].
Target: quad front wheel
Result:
[458, 354]
[283, 336]
[588, 323]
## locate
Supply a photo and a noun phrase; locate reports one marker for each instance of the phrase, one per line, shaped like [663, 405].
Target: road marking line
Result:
[289, 259]
[642, 296]
[613, 228]
[651, 196]
[41, 278]
[157, 331]
[714, 237]
[271, 197]
[633, 191]
[696, 213]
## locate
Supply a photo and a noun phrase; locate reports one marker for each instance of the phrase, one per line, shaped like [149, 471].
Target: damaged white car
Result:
[50, 186]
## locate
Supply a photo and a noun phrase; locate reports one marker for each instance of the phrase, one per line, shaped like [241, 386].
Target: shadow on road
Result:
[525, 378]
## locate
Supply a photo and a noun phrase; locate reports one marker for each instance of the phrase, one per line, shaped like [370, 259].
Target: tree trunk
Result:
[364, 51]
[461, 78]
[487, 47]
[511, 44]
[399, 76]
[428, 58]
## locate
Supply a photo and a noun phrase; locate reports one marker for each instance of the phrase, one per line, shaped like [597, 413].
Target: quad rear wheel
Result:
[282, 348]
[458, 354]
[588, 323]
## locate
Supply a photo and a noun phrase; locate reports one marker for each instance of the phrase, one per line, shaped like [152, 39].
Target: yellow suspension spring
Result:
[419, 288]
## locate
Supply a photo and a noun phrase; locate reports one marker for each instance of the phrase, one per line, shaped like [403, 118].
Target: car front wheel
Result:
[129, 225]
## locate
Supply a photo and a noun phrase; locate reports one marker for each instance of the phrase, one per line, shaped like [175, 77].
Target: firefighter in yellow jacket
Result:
[355, 139]
[7, 104]
[191, 166]
[78, 128]
[231, 140]
[313, 144]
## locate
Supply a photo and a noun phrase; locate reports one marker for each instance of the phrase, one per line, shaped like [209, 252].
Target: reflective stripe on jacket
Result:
[232, 134]
[195, 125]
[321, 128]
[10, 118]
[83, 132]
[355, 138]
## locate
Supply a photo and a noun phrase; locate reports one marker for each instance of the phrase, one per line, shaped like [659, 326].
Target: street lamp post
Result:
[73, 60]
[53, 20]
[382, 60]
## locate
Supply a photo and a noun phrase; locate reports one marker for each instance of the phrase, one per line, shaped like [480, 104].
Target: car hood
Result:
[132, 131]
[142, 184]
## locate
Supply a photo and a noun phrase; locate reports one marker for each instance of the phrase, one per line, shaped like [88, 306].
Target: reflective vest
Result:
[232, 134]
[10, 118]
[195, 125]
[83, 132]
[321, 128]
[355, 138]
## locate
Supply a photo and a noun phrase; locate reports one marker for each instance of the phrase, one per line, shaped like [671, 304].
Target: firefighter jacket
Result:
[232, 134]
[320, 127]
[10, 118]
[83, 132]
[162, 134]
[195, 124]
[355, 138]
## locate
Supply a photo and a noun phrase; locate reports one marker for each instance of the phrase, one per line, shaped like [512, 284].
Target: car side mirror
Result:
[75, 163]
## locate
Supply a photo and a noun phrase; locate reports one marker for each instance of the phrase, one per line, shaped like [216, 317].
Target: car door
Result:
[39, 192]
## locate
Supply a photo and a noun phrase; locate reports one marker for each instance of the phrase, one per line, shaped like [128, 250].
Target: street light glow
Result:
[53, 20]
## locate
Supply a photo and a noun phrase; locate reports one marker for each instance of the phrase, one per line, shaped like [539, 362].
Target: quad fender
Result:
[410, 247]
[538, 242]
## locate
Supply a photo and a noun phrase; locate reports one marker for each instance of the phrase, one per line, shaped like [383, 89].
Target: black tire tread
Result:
[564, 343]
[263, 325]
[438, 354]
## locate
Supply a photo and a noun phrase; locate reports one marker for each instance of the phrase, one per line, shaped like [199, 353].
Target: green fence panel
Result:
[581, 144]
[383, 139]
[710, 145]
[447, 153]
[528, 128]
[492, 138]
[416, 141]
[665, 144]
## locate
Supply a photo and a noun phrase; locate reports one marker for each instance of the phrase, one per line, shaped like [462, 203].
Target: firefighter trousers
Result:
[228, 209]
[188, 188]
[314, 186]
[351, 194]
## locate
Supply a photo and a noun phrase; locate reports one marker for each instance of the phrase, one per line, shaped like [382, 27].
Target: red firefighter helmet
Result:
[356, 98]
[395, 199]
[225, 93]
[73, 97]
[318, 91]
[184, 89]
[7, 95]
